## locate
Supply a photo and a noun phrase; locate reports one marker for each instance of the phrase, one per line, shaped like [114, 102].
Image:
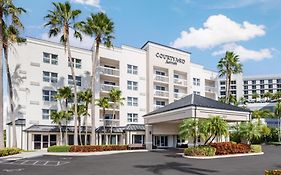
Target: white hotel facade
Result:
[149, 78]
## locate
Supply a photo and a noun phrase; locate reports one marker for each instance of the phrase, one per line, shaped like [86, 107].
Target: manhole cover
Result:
[13, 170]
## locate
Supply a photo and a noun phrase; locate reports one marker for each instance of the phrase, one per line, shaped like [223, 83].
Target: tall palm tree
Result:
[101, 28]
[65, 93]
[115, 96]
[57, 118]
[277, 112]
[86, 98]
[227, 66]
[104, 104]
[62, 20]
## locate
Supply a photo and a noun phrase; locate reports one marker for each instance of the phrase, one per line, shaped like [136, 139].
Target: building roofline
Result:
[152, 42]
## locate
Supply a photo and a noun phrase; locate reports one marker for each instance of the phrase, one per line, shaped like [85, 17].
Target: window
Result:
[161, 73]
[50, 58]
[46, 113]
[233, 92]
[50, 77]
[160, 88]
[132, 101]
[254, 87]
[262, 86]
[160, 103]
[233, 82]
[232, 87]
[223, 92]
[196, 81]
[278, 80]
[78, 80]
[246, 92]
[109, 83]
[132, 117]
[176, 90]
[270, 86]
[132, 85]
[223, 88]
[138, 139]
[77, 63]
[49, 95]
[176, 76]
[245, 87]
[253, 81]
[261, 81]
[254, 91]
[131, 69]
[222, 83]
[262, 92]
[196, 92]
[245, 82]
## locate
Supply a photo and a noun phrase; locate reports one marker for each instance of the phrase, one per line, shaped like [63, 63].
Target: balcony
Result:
[161, 78]
[160, 93]
[158, 106]
[109, 71]
[210, 89]
[108, 87]
[180, 82]
[178, 95]
[110, 122]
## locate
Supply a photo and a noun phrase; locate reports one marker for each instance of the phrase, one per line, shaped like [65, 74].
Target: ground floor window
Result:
[105, 139]
[139, 139]
[41, 141]
[161, 141]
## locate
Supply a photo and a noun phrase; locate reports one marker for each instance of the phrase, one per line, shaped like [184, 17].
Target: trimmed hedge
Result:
[256, 148]
[224, 148]
[55, 148]
[272, 172]
[200, 151]
[97, 148]
[9, 151]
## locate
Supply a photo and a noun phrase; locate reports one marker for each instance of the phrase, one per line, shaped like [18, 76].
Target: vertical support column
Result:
[148, 137]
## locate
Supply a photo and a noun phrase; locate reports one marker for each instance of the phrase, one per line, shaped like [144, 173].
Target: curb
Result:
[222, 156]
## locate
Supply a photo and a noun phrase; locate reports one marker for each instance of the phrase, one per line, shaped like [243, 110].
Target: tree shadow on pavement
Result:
[180, 167]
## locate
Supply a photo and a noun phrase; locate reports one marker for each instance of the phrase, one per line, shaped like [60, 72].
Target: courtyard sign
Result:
[170, 59]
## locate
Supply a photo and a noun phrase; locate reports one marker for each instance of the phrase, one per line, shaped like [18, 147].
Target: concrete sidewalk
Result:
[24, 155]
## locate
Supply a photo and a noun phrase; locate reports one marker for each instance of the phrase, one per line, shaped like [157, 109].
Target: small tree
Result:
[258, 114]
[188, 129]
[57, 119]
[104, 104]
[218, 127]
[255, 96]
[277, 113]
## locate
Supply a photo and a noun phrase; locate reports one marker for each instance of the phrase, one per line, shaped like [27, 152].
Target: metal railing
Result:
[178, 95]
[179, 81]
[109, 71]
[161, 78]
[160, 93]
[108, 87]
[210, 89]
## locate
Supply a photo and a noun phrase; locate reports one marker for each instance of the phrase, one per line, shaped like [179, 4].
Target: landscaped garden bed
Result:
[272, 172]
[9, 151]
[223, 149]
[87, 148]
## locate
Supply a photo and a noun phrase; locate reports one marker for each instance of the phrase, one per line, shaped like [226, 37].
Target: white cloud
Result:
[244, 53]
[217, 30]
[86, 42]
[95, 3]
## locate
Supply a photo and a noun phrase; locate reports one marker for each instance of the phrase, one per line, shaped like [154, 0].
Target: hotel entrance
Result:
[161, 141]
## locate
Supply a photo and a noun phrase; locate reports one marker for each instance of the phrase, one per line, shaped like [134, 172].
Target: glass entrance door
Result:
[45, 141]
[161, 141]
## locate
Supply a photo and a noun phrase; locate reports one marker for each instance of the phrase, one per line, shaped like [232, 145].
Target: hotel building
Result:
[149, 77]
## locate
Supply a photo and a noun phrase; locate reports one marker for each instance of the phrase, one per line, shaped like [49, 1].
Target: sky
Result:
[206, 28]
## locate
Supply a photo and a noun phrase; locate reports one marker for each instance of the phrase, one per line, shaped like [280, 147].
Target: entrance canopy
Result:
[199, 107]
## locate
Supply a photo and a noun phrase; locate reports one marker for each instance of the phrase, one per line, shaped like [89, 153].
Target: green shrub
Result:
[225, 148]
[272, 172]
[55, 148]
[97, 148]
[9, 151]
[256, 148]
[200, 151]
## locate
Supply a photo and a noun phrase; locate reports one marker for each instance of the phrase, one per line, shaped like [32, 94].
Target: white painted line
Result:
[222, 156]
[25, 161]
[58, 163]
[35, 162]
[46, 163]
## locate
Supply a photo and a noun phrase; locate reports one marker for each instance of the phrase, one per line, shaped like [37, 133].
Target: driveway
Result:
[145, 163]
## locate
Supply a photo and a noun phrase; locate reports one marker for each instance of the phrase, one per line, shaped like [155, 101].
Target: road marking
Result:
[35, 162]
[13, 170]
[46, 163]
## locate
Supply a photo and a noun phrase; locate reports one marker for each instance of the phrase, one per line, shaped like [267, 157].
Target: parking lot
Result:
[143, 163]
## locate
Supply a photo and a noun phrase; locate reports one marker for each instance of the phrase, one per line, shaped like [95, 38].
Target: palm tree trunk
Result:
[95, 61]
[228, 88]
[75, 92]
[86, 126]
[103, 114]
[79, 129]
[11, 102]
[1, 77]
[66, 122]
[111, 127]
[60, 134]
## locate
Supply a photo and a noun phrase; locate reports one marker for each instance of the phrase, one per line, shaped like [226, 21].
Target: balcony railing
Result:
[179, 81]
[158, 106]
[109, 71]
[110, 122]
[161, 78]
[178, 95]
[161, 93]
[108, 87]
[210, 89]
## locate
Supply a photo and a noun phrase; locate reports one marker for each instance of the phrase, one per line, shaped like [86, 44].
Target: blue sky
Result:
[206, 28]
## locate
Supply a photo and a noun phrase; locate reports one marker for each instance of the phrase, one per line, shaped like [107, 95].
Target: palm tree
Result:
[268, 95]
[11, 34]
[233, 100]
[101, 28]
[57, 119]
[65, 93]
[229, 65]
[258, 114]
[188, 129]
[255, 96]
[219, 127]
[81, 111]
[115, 96]
[277, 112]
[249, 131]
[86, 98]
[277, 96]
[104, 104]
[61, 20]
